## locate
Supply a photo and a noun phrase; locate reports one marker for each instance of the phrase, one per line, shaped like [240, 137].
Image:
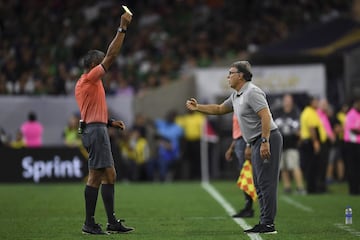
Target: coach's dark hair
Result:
[243, 67]
[93, 57]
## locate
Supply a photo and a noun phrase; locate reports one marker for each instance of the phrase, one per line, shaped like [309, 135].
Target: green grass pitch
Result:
[168, 211]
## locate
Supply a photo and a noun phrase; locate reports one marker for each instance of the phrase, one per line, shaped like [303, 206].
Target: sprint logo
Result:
[54, 168]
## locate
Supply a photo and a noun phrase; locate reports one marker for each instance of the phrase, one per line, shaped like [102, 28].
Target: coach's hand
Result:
[265, 150]
[191, 104]
[118, 124]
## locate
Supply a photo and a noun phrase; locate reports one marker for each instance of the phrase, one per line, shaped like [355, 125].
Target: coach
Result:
[249, 104]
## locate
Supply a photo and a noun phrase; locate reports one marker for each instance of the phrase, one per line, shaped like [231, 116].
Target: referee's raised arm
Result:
[117, 42]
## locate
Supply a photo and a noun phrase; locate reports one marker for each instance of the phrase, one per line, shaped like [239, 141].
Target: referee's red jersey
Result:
[90, 96]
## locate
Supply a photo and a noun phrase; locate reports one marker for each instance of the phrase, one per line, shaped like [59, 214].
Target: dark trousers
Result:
[266, 176]
[352, 166]
[193, 158]
[314, 166]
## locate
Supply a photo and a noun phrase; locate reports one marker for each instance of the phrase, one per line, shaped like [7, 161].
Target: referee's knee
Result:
[109, 176]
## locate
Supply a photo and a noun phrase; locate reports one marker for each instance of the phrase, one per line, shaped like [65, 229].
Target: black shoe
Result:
[262, 228]
[93, 229]
[245, 213]
[118, 227]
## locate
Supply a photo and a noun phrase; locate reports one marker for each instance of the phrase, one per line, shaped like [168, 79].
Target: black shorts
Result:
[97, 142]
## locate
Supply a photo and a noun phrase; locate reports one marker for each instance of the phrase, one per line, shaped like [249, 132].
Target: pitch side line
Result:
[228, 208]
[348, 229]
[296, 204]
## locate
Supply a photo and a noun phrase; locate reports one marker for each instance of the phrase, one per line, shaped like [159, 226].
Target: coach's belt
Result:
[259, 136]
[95, 123]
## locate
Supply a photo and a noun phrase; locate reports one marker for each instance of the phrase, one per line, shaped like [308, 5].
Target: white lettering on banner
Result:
[37, 169]
[310, 78]
[291, 78]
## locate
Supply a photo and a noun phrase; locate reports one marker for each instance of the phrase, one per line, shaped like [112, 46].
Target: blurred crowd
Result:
[42, 42]
[321, 144]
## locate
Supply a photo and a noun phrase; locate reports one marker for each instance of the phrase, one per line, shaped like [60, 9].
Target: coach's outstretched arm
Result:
[117, 42]
[211, 109]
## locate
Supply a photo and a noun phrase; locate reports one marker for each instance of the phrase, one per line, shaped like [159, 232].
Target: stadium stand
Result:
[43, 41]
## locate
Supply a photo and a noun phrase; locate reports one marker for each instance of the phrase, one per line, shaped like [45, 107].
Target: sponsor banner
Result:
[311, 78]
[47, 164]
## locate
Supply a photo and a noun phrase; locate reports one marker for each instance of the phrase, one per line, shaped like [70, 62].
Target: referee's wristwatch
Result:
[121, 30]
[264, 140]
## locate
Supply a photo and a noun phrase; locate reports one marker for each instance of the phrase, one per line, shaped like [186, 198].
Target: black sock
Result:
[107, 193]
[91, 195]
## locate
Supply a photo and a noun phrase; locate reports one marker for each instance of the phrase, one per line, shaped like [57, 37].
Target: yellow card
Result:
[127, 9]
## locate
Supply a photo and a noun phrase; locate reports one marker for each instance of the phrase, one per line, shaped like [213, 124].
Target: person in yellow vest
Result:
[70, 135]
[192, 123]
[313, 138]
[18, 142]
[135, 150]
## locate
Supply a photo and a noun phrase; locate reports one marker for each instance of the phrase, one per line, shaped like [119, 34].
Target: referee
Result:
[249, 104]
[90, 97]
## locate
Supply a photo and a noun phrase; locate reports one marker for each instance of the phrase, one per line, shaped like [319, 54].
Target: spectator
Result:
[3, 82]
[192, 124]
[135, 150]
[147, 130]
[336, 161]
[323, 112]
[352, 147]
[4, 139]
[313, 137]
[288, 121]
[169, 136]
[70, 134]
[18, 142]
[32, 131]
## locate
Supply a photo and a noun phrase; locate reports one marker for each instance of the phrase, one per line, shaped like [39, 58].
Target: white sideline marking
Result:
[228, 208]
[296, 204]
[347, 228]
[203, 218]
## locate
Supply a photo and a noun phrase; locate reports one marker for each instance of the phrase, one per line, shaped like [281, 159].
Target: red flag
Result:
[209, 133]
[245, 180]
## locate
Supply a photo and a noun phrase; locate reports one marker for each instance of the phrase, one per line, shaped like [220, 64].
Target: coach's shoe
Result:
[118, 227]
[255, 229]
[262, 228]
[93, 229]
[245, 213]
